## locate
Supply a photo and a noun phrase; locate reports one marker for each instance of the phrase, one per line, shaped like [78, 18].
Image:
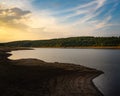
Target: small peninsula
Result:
[33, 77]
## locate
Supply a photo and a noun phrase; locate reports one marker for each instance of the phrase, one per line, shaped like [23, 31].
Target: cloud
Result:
[101, 24]
[13, 17]
[87, 13]
[91, 10]
[22, 18]
[12, 24]
[87, 22]
[24, 4]
[89, 7]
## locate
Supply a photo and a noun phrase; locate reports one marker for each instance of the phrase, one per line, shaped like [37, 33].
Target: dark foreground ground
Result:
[32, 77]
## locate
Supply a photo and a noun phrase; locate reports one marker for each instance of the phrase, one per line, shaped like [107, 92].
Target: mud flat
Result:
[33, 77]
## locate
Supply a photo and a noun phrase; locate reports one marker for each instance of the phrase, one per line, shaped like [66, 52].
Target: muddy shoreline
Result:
[33, 77]
[86, 47]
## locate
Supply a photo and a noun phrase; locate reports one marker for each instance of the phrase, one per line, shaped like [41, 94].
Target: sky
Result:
[47, 19]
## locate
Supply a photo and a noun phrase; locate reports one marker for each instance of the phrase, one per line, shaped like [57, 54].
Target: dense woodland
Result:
[67, 42]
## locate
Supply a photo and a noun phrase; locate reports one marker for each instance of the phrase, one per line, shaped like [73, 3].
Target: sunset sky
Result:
[46, 19]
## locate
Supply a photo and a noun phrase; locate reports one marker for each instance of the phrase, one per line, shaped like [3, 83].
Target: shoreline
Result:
[60, 73]
[91, 47]
[97, 75]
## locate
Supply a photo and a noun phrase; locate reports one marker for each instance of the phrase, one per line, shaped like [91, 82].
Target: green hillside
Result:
[67, 42]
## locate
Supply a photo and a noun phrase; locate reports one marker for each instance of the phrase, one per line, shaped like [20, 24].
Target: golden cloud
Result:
[14, 17]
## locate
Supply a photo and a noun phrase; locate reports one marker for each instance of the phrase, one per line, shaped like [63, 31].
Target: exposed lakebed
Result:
[34, 77]
[106, 60]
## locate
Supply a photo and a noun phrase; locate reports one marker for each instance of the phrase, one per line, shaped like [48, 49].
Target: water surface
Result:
[107, 60]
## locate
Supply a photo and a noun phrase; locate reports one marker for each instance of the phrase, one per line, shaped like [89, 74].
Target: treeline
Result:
[67, 42]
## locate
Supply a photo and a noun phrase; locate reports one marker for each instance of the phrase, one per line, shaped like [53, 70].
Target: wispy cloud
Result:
[89, 12]
[78, 7]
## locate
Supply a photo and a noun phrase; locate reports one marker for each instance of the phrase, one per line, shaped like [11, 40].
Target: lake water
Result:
[107, 60]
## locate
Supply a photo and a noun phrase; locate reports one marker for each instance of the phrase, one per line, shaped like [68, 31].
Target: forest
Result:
[67, 42]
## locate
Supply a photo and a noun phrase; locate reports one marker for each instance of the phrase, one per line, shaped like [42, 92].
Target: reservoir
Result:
[106, 60]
